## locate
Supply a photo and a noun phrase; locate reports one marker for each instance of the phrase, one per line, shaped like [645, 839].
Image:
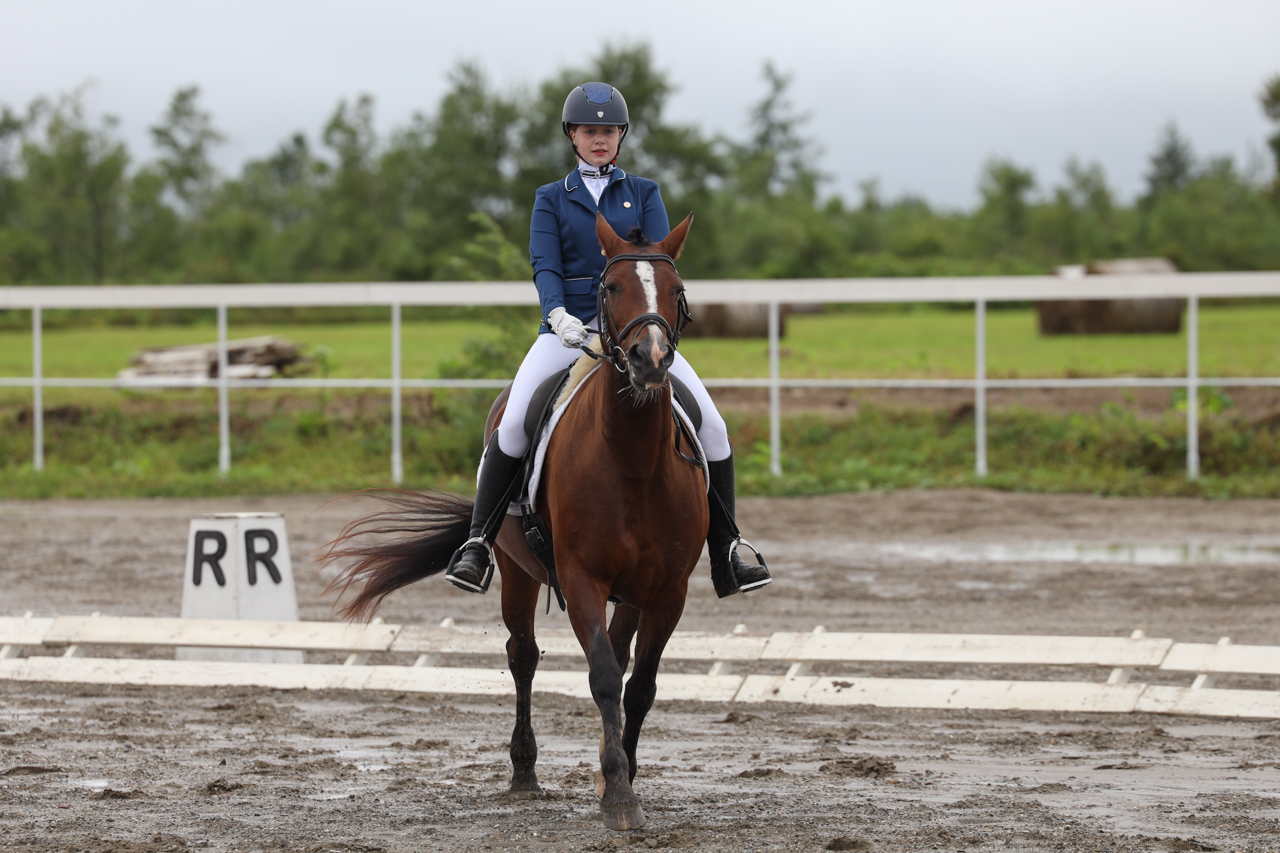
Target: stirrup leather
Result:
[463, 583]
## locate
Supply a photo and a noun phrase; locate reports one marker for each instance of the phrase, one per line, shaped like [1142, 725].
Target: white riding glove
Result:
[568, 328]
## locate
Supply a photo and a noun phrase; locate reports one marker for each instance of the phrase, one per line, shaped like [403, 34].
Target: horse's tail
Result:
[411, 538]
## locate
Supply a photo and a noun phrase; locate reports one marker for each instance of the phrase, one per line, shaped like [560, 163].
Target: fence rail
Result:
[59, 647]
[980, 290]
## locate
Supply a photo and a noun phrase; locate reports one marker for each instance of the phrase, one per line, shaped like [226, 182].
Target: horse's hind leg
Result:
[519, 607]
[642, 687]
[622, 628]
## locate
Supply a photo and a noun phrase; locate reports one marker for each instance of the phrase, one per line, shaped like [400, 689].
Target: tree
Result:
[1270, 100]
[186, 138]
[1172, 163]
[71, 197]
[1001, 221]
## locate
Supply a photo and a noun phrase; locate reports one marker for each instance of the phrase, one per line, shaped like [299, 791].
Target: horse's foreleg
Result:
[519, 607]
[642, 687]
[618, 804]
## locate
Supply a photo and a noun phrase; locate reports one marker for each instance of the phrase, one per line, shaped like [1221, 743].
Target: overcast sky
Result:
[915, 92]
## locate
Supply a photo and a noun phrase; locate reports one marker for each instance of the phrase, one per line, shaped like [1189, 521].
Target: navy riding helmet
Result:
[595, 103]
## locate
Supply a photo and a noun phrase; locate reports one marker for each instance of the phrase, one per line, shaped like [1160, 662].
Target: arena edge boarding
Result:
[976, 289]
[1117, 695]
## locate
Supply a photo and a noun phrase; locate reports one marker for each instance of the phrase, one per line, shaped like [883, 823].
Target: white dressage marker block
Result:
[238, 567]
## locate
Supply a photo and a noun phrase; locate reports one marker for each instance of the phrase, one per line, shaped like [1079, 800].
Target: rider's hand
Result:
[568, 328]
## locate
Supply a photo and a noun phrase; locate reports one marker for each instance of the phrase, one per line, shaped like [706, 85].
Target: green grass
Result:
[926, 342]
[153, 447]
[115, 443]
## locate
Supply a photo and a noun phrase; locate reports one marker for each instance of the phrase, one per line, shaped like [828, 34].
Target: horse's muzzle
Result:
[649, 359]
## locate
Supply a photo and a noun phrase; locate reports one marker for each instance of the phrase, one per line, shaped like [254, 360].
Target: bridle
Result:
[610, 338]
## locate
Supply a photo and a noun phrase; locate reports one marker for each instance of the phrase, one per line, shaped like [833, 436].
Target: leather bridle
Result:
[610, 338]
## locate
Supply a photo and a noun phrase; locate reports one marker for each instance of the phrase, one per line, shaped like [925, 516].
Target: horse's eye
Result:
[611, 288]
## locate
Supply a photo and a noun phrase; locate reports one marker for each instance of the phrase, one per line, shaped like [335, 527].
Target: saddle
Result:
[542, 407]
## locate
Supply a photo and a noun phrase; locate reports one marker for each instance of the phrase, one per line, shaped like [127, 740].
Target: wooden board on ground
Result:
[943, 693]
[23, 630]
[1211, 702]
[229, 633]
[1211, 658]
[967, 648]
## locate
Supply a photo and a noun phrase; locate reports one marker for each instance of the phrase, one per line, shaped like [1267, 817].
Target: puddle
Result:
[1123, 553]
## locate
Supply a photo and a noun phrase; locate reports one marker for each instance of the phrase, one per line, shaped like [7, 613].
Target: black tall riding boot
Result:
[472, 565]
[729, 573]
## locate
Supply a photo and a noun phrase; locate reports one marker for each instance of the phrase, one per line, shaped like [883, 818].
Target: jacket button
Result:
[626, 204]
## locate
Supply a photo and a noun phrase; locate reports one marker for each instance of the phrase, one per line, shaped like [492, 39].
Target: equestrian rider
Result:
[567, 263]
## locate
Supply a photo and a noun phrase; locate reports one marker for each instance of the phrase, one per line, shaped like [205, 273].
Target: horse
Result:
[627, 512]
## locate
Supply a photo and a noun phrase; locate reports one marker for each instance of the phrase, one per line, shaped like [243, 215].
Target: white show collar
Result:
[593, 178]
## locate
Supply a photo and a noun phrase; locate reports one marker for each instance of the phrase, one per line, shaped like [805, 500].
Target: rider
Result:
[567, 263]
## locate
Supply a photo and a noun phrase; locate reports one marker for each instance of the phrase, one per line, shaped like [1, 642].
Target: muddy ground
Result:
[153, 769]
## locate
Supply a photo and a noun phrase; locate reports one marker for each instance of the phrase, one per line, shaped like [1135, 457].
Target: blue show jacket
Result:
[563, 247]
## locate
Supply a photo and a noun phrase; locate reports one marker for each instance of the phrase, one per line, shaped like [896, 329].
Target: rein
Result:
[610, 341]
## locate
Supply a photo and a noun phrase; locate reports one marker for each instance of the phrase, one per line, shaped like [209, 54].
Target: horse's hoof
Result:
[622, 818]
[524, 791]
[599, 786]
[525, 784]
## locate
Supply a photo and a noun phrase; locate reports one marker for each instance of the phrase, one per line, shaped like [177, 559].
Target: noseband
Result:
[611, 339]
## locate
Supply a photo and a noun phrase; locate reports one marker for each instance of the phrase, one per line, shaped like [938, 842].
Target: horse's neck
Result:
[641, 435]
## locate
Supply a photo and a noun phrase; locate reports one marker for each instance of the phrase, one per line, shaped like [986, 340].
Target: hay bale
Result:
[1113, 316]
[734, 321]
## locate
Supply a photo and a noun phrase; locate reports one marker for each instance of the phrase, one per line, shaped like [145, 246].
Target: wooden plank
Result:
[475, 640]
[943, 693]
[221, 633]
[697, 645]
[1211, 702]
[683, 645]
[23, 631]
[457, 680]
[169, 673]
[1212, 657]
[967, 648]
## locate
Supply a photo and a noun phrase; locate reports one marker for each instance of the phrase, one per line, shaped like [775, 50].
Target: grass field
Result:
[926, 342]
[102, 442]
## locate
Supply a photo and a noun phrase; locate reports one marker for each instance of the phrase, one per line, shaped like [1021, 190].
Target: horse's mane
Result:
[635, 235]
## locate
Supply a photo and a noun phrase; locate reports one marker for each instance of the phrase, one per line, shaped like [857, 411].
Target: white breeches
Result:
[547, 356]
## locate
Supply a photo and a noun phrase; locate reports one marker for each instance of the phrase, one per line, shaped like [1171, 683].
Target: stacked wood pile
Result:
[248, 358]
[1113, 316]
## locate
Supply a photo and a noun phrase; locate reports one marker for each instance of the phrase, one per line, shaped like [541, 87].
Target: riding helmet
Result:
[595, 103]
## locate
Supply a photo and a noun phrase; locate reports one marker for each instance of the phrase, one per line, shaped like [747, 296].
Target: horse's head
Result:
[641, 303]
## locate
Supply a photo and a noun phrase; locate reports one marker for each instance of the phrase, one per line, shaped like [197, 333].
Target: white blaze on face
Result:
[644, 270]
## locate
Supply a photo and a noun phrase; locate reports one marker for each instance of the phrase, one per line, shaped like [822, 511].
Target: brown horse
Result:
[627, 513]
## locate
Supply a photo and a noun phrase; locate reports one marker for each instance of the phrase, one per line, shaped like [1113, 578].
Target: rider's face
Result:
[597, 144]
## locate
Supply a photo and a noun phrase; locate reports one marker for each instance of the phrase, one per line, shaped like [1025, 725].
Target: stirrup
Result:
[463, 583]
[756, 584]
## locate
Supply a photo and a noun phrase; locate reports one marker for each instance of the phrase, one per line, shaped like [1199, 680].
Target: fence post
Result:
[1193, 387]
[224, 415]
[37, 387]
[980, 387]
[397, 457]
[775, 394]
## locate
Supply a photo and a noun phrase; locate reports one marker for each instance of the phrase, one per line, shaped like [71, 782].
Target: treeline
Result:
[447, 196]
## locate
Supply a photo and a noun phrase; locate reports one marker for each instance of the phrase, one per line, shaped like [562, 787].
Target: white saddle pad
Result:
[540, 453]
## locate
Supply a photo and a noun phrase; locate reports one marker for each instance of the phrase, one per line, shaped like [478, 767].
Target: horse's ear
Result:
[610, 243]
[674, 241]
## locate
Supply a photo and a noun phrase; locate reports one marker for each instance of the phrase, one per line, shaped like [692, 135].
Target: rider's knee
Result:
[714, 436]
[512, 442]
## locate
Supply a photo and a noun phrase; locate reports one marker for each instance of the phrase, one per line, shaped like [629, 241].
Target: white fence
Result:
[60, 643]
[978, 290]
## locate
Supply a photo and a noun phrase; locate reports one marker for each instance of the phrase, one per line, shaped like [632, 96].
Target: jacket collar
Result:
[573, 186]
